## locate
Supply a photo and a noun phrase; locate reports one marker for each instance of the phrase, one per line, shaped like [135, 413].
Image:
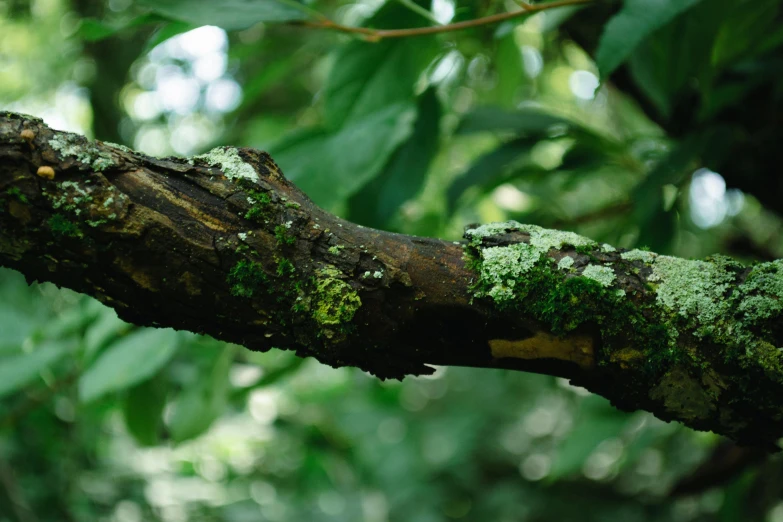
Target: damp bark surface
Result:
[222, 244]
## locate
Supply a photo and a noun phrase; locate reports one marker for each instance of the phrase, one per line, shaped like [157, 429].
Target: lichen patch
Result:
[603, 274]
[69, 144]
[229, 161]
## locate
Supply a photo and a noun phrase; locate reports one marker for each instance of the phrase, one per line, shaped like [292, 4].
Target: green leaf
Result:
[166, 31]
[330, 166]
[16, 327]
[93, 30]
[366, 77]
[200, 404]
[228, 14]
[101, 332]
[627, 29]
[130, 360]
[597, 422]
[405, 173]
[527, 120]
[17, 371]
[509, 70]
[489, 168]
[143, 410]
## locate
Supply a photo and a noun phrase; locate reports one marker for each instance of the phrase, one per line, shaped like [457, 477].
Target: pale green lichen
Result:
[229, 161]
[763, 291]
[639, 255]
[123, 148]
[334, 301]
[607, 248]
[540, 238]
[335, 250]
[602, 274]
[693, 289]
[566, 263]
[502, 266]
[69, 144]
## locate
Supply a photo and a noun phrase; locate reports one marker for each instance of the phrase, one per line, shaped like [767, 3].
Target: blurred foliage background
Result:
[637, 123]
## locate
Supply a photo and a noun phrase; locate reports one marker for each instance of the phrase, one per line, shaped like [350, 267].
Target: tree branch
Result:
[223, 244]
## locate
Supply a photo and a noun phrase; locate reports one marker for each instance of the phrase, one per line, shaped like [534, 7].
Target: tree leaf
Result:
[366, 78]
[128, 361]
[330, 166]
[200, 404]
[143, 409]
[597, 422]
[17, 371]
[101, 332]
[628, 28]
[489, 167]
[93, 30]
[16, 327]
[229, 14]
[528, 120]
[405, 173]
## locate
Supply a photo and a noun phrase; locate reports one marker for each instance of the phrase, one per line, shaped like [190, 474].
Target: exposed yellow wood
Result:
[573, 348]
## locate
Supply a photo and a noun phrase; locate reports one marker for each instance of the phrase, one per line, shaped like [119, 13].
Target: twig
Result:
[375, 35]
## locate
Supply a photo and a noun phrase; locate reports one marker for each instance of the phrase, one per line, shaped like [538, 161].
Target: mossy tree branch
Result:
[223, 244]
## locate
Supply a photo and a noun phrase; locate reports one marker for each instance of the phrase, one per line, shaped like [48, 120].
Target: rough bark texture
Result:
[222, 244]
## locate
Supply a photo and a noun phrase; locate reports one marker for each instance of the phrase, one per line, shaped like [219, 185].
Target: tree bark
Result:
[222, 244]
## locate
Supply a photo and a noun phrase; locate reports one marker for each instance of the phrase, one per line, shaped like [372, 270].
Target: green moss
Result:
[335, 302]
[63, 227]
[282, 235]
[246, 278]
[17, 194]
[523, 277]
[502, 267]
[260, 210]
[69, 144]
[285, 268]
[335, 250]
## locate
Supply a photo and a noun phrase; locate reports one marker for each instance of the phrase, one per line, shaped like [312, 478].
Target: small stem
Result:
[374, 35]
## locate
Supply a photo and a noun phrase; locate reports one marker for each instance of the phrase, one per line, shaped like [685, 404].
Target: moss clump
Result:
[502, 267]
[17, 194]
[63, 227]
[524, 277]
[282, 235]
[260, 211]
[335, 302]
[246, 278]
[285, 268]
